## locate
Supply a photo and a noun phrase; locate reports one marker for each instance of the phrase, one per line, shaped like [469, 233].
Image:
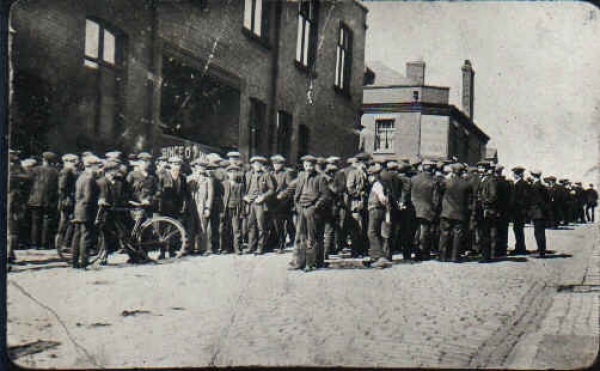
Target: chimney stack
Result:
[468, 88]
[416, 71]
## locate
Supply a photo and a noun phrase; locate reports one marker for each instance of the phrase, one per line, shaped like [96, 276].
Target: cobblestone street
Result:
[522, 312]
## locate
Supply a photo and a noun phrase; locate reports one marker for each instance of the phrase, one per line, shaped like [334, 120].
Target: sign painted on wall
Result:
[186, 149]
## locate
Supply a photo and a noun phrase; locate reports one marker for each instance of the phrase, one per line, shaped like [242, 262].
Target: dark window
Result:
[284, 133]
[104, 56]
[384, 135]
[256, 15]
[343, 59]
[257, 119]
[303, 140]
[307, 32]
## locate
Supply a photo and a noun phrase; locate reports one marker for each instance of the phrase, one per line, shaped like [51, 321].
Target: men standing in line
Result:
[424, 199]
[66, 194]
[591, 203]
[43, 202]
[311, 198]
[454, 215]
[331, 211]
[87, 193]
[172, 193]
[538, 197]
[260, 188]
[282, 201]
[519, 208]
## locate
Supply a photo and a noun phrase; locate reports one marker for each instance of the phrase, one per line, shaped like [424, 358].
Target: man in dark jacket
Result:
[539, 200]
[66, 194]
[503, 219]
[486, 214]
[519, 208]
[424, 199]
[357, 186]
[282, 201]
[591, 203]
[87, 193]
[454, 215]
[43, 201]
[406, 213]
[311, 198]
[259, 190]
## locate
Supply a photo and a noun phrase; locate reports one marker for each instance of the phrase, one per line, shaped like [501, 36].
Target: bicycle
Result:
[150, 238]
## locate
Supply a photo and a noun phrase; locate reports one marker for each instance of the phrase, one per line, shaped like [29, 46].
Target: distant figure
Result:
[592, 202]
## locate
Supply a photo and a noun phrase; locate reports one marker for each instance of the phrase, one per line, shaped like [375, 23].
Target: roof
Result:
[386, 76]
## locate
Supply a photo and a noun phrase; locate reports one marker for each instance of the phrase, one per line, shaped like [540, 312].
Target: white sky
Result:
[537, 72]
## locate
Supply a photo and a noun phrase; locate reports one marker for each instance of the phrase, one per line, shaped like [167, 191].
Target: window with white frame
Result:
[384, 135]
[101, 45]
[256, 16]
[307, 32]
[343, 59]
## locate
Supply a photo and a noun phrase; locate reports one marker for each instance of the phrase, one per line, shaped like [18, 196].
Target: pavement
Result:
[518, 313]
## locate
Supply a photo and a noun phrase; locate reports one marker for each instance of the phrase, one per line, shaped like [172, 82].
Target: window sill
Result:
[342, 92]
[257, 39]
[305, 69]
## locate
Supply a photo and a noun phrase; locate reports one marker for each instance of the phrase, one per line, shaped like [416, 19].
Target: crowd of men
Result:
[371, 207]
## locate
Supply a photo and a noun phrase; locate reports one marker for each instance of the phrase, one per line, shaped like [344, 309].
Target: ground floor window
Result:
[384, 135]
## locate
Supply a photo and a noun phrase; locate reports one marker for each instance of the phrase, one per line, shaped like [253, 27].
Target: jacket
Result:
[422, 195]
[455, 202]
[172, 193]
[539, 199]
[87, 193]
[311, 190]
[44, 187]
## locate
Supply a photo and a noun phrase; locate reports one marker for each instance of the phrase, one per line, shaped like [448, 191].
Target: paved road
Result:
[231, 310]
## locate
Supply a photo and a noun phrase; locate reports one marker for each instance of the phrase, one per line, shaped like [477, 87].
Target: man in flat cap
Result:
[539, 200]
[454, 215]
[357, 186]
[424, 197]
[485, 212]
[172, 193]
[260, 188]
[311, 198]
[87, 194]
[66, 196]
[142, 183]
[282, 201]
[591, 203]
[519, 207]
[233, 206]
[201, 187]
[379, 214]
[43, 202]
[554, 195]
[331, 212]
[580, 200]
[503, 220]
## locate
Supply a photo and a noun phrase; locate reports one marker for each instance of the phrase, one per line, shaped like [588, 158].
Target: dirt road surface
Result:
[244, 310]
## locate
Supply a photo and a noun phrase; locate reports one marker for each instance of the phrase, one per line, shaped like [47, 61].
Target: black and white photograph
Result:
[313, 183]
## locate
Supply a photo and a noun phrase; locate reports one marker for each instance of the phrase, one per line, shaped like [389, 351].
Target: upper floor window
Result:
[102, 45]
[258, 112]
[307, 32]
[384, 135]
[284, 133]
[256, 17]
[343, 59]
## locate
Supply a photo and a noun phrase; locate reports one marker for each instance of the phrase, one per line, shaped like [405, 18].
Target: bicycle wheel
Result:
[162, 238]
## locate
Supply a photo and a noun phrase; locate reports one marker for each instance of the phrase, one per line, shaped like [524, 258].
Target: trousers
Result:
[451, 236]
[539, 231]
[376, 242]
[257, 227]
[83, 240]
[42, 226]
[308, 245]
[424, 239]
[233, 224]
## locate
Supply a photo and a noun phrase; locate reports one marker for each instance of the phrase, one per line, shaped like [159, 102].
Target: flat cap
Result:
[456, 167]
[87, 153]
[144, 156]
[213, 156]
[331, 167]
[379, 160]
[49, 156]
[374, 169]
[91, 160]
[333, 159]
[113, 154]
[351, 160]
[224, 163]
[551, 178]
[308, 158]
[428, 162]
[233, 154]
[198, 162]
[28, 162]
[233, 167]
[392, 165]
[279, 159]
[254, 159]
[535, 173]
[70, 157]
[518, 169]
[131, 156]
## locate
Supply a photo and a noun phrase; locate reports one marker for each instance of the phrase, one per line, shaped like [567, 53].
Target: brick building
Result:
[259, 76]
[403, 117]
